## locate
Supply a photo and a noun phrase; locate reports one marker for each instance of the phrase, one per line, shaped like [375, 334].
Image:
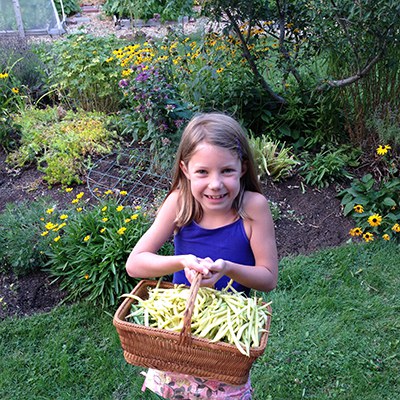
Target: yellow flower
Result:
[80, 195]
[134, 216]
[108, 191]
[123, 192]
[121, 231]
[356, 231]
[50, 210]
[219, 70]
[120, 208]
[358, 208]
[62, 225]
[396, 228]
[375, 220]
[104, 209]
[74, 201]
[4, 75]
[102, 230]
[15, 90]
[386, 236]
[104, 219]
[382, 150]
[86, 238]
[56, 239]
[368, 237]
[68, 190]
[86, 276]
[64, 216]
[127, 220]
[138, 208]
[45, 233]
[49, 226]
[79, 209]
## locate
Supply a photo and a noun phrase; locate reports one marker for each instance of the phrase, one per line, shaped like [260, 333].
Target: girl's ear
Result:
[244, 168]
[184, 169]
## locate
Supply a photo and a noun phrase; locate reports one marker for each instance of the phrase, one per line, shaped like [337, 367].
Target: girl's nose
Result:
[215, 182]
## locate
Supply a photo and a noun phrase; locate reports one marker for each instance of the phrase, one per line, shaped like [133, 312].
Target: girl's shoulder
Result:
[254, 201]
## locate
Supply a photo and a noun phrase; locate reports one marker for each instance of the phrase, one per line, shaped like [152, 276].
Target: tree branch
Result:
[251, 62]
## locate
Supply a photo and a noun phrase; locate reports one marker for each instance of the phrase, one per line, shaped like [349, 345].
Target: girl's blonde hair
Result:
[220, 130]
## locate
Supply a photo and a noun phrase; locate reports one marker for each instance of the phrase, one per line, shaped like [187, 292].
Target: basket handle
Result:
[185, 334]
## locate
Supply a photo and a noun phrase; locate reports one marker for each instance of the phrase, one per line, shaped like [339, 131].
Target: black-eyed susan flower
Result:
[386, 237]
[74, 201]
[382, 150]
[105, 219]
[375, 220]
[358, 208]
[368, 237]
[120, 208]
[121, 230]
[86, 238]
[63, 216]
[396, 228]
[15, 90]
[356, 231]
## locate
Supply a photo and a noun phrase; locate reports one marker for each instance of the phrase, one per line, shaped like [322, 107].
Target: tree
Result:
[355, 34]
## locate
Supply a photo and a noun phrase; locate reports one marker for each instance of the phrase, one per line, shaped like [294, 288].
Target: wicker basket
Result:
[180, 351]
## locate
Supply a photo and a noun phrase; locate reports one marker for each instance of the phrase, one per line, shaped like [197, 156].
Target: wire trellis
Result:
[133, 172]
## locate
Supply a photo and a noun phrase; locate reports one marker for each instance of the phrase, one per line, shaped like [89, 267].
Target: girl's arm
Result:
[260, 229]
[143, 262]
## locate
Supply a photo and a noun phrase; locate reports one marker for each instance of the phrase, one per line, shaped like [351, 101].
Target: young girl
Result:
[222, 228]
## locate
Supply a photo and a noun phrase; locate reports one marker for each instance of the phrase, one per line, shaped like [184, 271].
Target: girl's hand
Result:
[194, 264]
[216, 270]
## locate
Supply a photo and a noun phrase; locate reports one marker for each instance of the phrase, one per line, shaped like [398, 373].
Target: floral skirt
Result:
[171, 385]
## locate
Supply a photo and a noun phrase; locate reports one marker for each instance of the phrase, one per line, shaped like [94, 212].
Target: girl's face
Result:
[214, 174]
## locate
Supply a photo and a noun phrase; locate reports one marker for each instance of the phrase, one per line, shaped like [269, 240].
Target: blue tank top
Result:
[228, 242]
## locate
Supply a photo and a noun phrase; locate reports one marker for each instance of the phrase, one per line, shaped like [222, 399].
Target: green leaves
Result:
[89, 258]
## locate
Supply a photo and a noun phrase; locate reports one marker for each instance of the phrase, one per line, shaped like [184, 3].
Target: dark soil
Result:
[310, 220]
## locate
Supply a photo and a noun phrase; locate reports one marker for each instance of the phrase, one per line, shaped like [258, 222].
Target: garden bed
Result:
[310, 219]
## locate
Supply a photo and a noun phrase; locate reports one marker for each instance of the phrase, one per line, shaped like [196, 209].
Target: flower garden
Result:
[319, 99]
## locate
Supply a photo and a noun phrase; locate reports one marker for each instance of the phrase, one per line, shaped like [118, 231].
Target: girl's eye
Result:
[228, 170]
[201, 171]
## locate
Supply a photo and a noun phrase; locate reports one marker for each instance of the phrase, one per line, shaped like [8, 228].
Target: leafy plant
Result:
[60, 142]
[88, 248]
[69, 7]
[167, 9]
[79, 70]
[154, 110]
[374, 205]
[328, 166]
[20, 249]
[272, 158]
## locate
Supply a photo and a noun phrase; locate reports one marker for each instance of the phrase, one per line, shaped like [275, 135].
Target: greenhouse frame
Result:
[31, 18]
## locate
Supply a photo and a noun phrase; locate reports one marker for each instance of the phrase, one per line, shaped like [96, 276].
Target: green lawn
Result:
[335, 334]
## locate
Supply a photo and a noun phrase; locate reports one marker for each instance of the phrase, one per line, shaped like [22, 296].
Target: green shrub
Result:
[272, 158]
[89, 246]
[329, 165]
[70, 7]
[60, 142]
[20, 249]
[374, 204]
[145, 9]
[79, 70]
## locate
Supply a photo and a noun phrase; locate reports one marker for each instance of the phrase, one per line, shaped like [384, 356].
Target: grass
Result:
[334, 335]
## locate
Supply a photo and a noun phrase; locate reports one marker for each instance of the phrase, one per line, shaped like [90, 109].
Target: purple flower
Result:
[123, 83]
[179, 123]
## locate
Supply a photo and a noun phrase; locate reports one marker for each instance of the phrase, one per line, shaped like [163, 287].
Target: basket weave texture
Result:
[180, 351]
